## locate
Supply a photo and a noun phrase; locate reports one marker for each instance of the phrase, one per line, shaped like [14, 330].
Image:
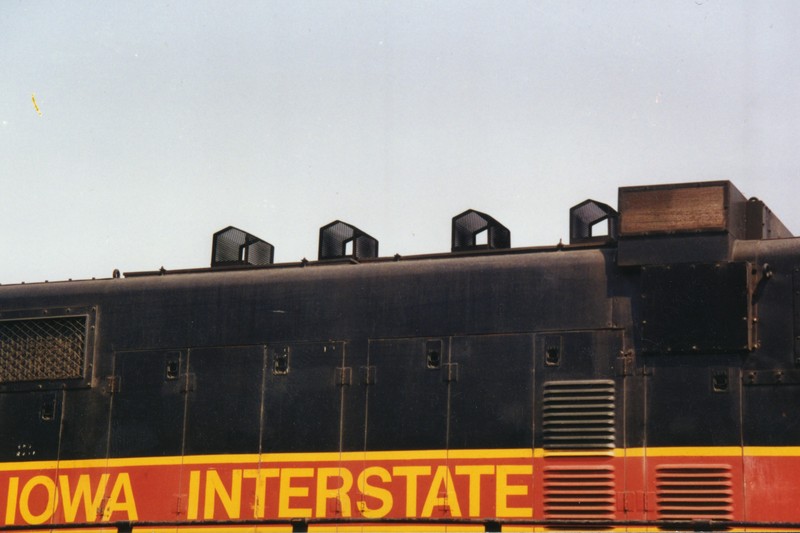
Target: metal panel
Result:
[491, 403]
[31, 426]
[687, 403]
[580, 410]
[407, 400]
[697, 308]
[302, 401]
[84, 423]
[223, 413]
[147, 409]
[578, 378]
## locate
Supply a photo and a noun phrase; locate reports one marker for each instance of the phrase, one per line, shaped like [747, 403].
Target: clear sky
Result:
[159, 123]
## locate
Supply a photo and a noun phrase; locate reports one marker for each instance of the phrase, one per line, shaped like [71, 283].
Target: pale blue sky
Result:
[162, 123]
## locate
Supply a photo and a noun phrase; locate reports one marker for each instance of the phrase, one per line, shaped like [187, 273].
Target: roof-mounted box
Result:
[686, 208]
[688, 222]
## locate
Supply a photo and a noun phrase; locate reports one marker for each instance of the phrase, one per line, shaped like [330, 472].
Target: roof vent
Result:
[586, 215]
[232, 246]
[470, 224]
[339, 239]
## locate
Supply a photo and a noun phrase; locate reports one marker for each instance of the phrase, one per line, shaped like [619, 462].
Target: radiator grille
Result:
[579, 492]
[694, 492]
[578, 415]
[42, 349]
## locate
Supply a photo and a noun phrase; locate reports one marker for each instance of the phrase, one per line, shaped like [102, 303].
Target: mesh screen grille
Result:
[42, 349]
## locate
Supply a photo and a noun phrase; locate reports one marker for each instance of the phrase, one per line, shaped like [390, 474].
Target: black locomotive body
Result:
[645, 378]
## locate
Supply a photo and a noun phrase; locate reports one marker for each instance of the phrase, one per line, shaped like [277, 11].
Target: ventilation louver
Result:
[579, 492]
[694, 492]
[578, 415]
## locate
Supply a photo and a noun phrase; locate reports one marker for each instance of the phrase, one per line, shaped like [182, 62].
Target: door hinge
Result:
[344, 375]
[450, 372]
[633, 501]
[112, 385]
[369, 375]
[623, 366]
[188, 384]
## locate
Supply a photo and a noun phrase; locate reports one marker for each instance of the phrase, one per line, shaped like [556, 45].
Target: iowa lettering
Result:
[81, 498]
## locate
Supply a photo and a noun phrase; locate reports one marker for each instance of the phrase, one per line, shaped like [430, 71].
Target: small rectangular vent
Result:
[579, 492]
[578, 415]
[42, 349]
[694, 492]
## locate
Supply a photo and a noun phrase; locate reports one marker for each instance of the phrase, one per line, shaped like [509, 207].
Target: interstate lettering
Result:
[422, 491]
[352, 489]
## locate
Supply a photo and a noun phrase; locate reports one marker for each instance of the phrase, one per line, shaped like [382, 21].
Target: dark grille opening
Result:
[579, 415]
[694, 492]
[42, 349]
[579, 492]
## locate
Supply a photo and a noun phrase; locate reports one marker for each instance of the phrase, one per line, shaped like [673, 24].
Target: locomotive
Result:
[643, 377]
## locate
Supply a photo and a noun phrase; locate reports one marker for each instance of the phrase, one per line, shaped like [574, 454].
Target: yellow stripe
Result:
[688, 451]
[772, 451]
[400, 455]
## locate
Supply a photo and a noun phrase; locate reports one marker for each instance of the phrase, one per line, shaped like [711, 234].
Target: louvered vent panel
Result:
[578, 415]
[694, 492]
[42, 349]
[579, 492]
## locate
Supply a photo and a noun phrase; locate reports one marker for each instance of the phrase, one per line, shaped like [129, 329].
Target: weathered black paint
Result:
[329, 356]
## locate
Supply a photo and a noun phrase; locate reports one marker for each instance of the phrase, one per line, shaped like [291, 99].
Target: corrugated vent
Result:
[42, 349]
[694, 492]
[578, 415]
[579, 492]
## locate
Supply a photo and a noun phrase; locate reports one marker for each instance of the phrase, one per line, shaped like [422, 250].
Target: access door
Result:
[580, 430]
